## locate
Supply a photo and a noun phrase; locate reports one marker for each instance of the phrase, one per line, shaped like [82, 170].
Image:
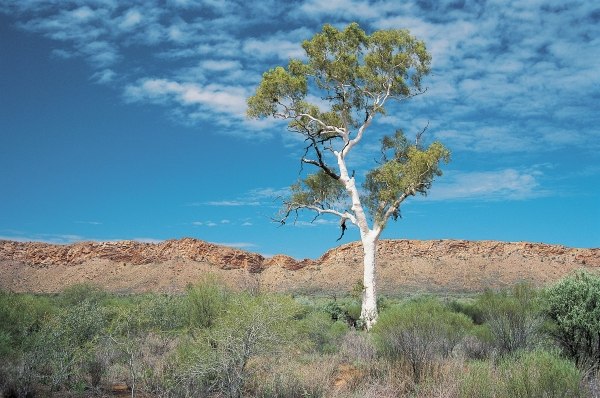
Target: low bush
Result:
[322, 334]
[514, 317]
[535, 374]
[573, 306]
[205, 302]
[344, 310]
[419, 332]
[75, 294]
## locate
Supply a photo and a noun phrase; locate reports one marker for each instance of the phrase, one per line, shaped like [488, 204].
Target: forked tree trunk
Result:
[368, 313]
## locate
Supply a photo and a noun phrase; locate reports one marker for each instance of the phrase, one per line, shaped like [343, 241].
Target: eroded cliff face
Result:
[404, 265]
[130, 252]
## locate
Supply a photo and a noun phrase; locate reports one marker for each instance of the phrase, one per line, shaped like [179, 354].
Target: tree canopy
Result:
[355, 75]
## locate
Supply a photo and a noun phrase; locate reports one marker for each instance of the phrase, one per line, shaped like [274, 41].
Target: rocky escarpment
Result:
[130, 252]
[404, 265]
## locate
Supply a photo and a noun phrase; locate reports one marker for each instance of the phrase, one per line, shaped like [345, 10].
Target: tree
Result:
[357, 75]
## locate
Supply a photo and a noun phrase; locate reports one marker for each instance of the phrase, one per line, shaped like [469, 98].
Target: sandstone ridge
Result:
[408, 265]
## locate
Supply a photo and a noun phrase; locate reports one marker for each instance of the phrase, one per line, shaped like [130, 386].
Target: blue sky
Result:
[125, 120]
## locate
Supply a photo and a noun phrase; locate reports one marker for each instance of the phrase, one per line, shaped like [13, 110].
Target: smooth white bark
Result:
[369, 238]
[368, 313]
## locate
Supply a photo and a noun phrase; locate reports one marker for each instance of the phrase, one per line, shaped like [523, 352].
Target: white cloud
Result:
[130, 19]
[496, 67]
[230, 203]
[104, 76]
[217, 98]
[342, 9]
[271, 47]
[220, 65]
[507, 184]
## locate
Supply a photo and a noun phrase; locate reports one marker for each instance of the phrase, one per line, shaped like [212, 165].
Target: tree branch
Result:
[294, 207]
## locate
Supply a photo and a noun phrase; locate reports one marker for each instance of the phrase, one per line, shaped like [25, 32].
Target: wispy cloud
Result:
[217, 98]
[254, 197]
[507, 184]
[230, 203]
[507, 76]
[204, 224]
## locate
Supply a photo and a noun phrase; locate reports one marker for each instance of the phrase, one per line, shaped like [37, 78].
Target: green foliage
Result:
[66, 342]
[20, 315]
[536, 374]
[573, 305]
[541, 374]
[478, 381]
[350, 68]
[470, 308]
[419, 332]
[205, 301]
[513, 316]
[75, 294]
[322, 333]
[317, 189]
[344, 310]
[406, 169]
[278, 85]
[356, 73]
[249, 326]
[272, 345]
[163, 312]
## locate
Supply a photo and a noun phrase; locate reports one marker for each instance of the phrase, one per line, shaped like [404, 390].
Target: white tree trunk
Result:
[368, 312]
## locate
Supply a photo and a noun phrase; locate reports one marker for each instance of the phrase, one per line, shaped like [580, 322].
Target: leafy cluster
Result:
[319, 190]
[406, 169]
[356, 74]
[352, 70]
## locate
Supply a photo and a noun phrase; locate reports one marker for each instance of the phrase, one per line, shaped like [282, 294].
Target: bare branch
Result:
[418, 138]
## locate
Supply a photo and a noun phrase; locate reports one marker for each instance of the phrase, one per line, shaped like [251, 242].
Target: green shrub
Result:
[513, 316]
[478, 381]
[65, 345]
[479, 343]
[322, 334]
[344, 310]
[75, 294]
[573, 306]
[163, 312]
[419, 332]
[21, 316]
[469, 308]
[540, 374]
[250, 326]
[536, 374]
[205, 302]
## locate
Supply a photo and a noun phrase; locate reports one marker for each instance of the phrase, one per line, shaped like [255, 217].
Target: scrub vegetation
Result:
[211, 341]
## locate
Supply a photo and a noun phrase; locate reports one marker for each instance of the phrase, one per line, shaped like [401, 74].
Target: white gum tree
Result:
[356, 75]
